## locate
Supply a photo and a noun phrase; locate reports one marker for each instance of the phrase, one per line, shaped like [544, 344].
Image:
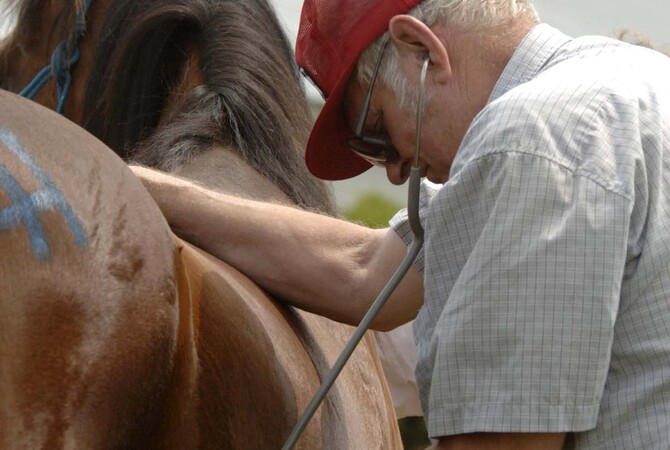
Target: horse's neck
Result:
[24, 55]
[222, 169]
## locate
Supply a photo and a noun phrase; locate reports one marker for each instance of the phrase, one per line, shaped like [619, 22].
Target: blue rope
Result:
[59, 68]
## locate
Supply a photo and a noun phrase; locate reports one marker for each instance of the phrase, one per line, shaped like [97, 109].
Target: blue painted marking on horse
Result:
[27, 206]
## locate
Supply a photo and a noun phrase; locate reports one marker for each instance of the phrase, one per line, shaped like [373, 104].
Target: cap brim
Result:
[327, 154]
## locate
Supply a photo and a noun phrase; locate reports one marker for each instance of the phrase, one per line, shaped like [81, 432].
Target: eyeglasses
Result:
[375, 149]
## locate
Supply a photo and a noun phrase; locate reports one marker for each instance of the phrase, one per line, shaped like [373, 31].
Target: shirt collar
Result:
[539, 45]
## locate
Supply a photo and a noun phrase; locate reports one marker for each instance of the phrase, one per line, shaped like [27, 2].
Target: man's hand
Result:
[501, 441]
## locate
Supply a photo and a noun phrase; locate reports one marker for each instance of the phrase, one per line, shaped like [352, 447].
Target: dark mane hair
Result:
[252, 96]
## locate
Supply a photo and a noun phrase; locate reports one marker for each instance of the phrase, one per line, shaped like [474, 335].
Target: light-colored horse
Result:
[124, 336]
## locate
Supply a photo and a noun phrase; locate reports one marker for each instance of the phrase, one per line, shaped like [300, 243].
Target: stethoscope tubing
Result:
[413, 194]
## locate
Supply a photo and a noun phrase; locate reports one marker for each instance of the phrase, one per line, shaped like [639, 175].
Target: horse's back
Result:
[88, 303]
[260, 363]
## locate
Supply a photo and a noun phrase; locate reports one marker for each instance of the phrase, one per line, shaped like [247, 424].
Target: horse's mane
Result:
[251, 97]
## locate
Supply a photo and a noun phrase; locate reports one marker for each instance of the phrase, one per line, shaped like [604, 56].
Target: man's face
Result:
[386, 118]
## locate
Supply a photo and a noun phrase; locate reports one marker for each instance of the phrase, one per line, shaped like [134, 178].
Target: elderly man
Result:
[542, 292]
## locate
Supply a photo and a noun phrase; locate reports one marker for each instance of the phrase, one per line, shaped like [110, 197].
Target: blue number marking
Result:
[27, 206]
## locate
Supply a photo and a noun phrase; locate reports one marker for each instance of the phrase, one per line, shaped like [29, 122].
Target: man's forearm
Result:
[318, 263]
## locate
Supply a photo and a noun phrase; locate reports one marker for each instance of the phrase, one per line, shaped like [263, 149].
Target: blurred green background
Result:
[371, 209]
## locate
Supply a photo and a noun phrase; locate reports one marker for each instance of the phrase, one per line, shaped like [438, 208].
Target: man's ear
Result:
[413, 39]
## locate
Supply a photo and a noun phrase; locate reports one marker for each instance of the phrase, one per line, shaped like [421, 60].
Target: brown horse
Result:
[135, 339]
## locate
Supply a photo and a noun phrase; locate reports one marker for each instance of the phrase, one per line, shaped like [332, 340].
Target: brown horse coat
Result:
[88, 333]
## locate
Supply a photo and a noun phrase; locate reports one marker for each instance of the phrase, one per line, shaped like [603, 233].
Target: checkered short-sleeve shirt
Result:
[547, 255]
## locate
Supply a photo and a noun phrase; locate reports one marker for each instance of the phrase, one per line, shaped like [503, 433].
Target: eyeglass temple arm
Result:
[368, 97]
[415, 172]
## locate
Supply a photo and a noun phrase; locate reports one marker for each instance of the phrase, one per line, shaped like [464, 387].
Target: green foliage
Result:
[372, 210]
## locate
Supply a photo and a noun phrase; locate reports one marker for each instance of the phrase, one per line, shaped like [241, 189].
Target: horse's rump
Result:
[88, 302]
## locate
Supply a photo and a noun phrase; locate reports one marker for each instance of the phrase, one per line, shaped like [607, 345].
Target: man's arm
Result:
[502, 441]
[317, 263]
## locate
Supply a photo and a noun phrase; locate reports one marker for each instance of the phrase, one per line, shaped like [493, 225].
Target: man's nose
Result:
[398, 171]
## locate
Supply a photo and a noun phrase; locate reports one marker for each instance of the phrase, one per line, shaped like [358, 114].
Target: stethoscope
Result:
[413, 250]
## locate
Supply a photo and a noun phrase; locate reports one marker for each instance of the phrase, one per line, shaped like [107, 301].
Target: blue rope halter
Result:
[59, 69]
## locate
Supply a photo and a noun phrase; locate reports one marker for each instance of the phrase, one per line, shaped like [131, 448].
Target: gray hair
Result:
[467, 15]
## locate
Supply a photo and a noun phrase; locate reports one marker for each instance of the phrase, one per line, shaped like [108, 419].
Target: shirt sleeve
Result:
[523, 268]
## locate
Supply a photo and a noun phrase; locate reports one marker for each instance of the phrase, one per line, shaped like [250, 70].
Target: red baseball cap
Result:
[331, 37]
